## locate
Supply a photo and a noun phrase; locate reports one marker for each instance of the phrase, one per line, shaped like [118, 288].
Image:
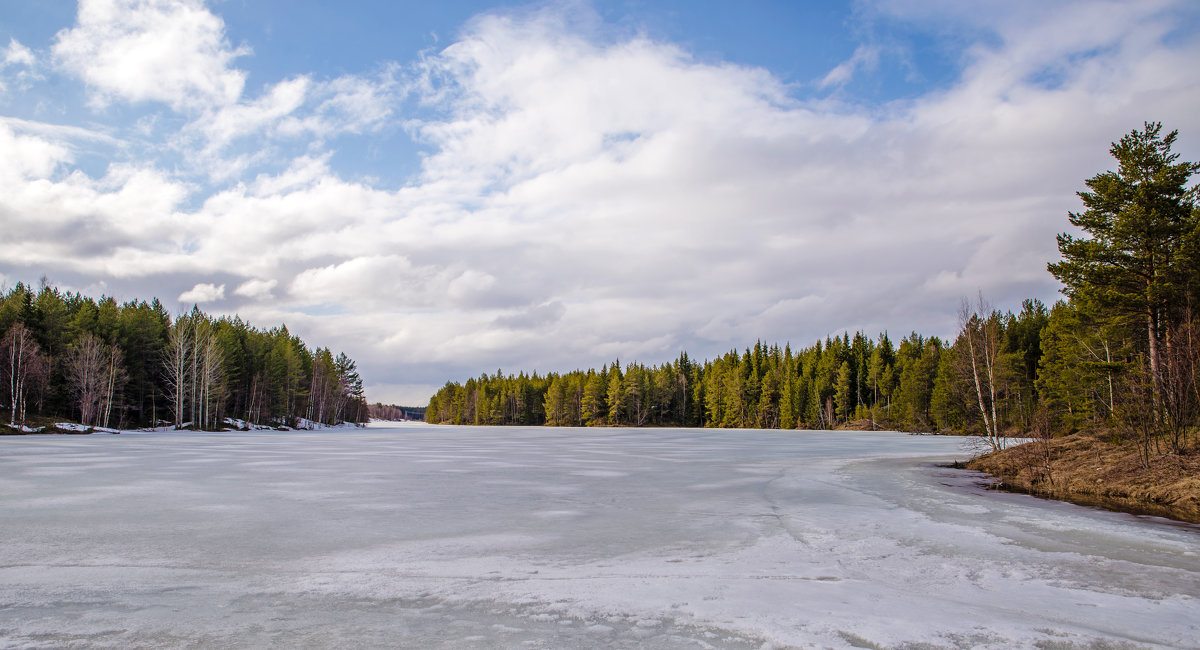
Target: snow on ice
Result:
[455, 537]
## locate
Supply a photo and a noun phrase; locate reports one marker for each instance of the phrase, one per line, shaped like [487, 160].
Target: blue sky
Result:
[441, 189]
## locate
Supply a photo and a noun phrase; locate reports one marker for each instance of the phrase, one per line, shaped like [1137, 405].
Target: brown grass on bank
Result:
[859, 425]
[1099, 471]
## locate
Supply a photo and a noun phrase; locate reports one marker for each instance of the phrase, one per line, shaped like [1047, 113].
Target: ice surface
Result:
[456, 537]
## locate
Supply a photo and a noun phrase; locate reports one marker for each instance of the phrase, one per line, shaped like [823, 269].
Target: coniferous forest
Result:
[1120, 354]
[846, 380]
[126, 365]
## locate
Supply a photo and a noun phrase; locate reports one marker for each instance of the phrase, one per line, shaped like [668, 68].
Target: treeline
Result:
[840, 381]
[394, 412]
[111, 364]
[1121, 355]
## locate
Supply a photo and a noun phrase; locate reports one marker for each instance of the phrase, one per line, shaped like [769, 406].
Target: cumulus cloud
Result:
[28, 157]
[585, 198]
[379, 275]
[675, 203]
[257, 289]
[57, 220]
[202, 293]
[169, 51]
[303, 216]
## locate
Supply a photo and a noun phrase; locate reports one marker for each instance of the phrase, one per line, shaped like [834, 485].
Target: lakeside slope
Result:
[1092, 470]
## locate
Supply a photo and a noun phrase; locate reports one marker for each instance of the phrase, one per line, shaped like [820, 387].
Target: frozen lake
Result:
[458, 537]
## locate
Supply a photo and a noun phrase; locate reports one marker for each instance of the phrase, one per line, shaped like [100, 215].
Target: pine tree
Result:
[1131, 266]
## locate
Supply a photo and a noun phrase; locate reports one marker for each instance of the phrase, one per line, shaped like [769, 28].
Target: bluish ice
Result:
[460, 537]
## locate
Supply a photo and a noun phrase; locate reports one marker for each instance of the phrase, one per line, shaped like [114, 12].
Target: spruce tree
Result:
[843, 392]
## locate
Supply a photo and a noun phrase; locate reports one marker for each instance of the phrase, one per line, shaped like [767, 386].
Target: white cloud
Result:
[17, 54]
[257, 289]
[346, 104]
[58, 218]
[388, 277]
[23, 60]
[582, 200]
[203, 292]
[660, 198]
[301, 216]
[303, 172]
[169, 51]
[28, 157]
[865, 57]
[293, 111]
[232, 121]
[61, 133]
[390, 282]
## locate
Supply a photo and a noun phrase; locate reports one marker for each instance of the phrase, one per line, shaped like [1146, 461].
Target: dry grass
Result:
[1098, 471]
[858, 425]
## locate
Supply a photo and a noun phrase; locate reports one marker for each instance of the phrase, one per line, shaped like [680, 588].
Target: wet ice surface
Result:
[462, 537]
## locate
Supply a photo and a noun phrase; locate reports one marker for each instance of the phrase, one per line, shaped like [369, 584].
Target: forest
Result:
[1119, 354]
[395, 412]
[126, 365]
[846, 380]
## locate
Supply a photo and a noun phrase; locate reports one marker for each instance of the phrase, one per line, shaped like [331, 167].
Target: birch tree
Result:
[980, 336]
[177, 359]
[85, 364]
[209, 378]
[115, 378]
[24, 367]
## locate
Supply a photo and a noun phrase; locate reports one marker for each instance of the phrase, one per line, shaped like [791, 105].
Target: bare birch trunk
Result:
[176, 362]
[982, 350]
[24, 355]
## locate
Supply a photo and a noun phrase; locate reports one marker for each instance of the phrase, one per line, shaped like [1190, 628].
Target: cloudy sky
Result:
[445, 188]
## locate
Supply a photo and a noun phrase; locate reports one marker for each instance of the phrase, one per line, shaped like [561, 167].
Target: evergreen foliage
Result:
[846, 380]
[1135, 266]
[66, 355]
[1123, 352]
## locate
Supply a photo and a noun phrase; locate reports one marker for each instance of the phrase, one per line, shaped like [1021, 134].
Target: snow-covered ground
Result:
[456, 537]
[389, 424]
[71, 426]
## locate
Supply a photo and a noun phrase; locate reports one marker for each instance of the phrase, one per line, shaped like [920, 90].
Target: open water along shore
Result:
[454, 537]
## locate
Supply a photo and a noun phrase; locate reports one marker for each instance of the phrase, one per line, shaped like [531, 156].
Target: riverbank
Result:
[1094, 471]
